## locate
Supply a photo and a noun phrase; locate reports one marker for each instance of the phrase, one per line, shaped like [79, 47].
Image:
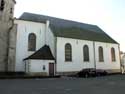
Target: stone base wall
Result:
[75, 72]
[114, 71]
[67, 73]
[37, 74]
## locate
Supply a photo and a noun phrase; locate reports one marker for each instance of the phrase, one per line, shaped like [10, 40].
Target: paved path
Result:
[100, 85]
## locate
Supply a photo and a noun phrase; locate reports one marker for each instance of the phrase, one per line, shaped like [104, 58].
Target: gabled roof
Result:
[70, 29]
[43, 53]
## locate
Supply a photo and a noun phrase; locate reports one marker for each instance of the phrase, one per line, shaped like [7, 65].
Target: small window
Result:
[101, 57]
[2, 4]
[32, 42]
[44, 67]
[86, 53]
[11, 10]
[113, 54]
[68, 52]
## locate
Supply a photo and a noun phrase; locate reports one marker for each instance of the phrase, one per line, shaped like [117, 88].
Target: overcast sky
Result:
[107, 14]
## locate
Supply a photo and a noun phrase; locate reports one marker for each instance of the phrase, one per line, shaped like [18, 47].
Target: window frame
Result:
[113, 55]
[86, 57]
[32, 42]
[68, 47]
[101, 54]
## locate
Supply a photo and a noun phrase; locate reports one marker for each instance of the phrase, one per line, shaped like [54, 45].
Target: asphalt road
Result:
[100, 85]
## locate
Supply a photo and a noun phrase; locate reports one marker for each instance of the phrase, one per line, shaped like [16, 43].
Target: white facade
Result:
[77, 55]
[108, 64]
[24, 28]
[78, 63]
[57, 45]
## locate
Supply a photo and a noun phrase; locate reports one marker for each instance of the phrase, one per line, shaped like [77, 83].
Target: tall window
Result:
[113, 54]
[68, 52]
[32, 42]
[86, 53]
[101, 57]
[2, 4]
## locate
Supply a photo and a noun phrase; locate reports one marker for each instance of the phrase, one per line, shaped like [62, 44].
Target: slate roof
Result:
[70, 29]
[43, 53]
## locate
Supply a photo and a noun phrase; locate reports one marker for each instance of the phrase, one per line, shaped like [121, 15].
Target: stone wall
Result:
[12, 48]
[3, 46]
[6, 19]
[7, 14]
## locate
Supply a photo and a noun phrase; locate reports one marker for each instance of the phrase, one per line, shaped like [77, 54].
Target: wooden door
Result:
[51, 69]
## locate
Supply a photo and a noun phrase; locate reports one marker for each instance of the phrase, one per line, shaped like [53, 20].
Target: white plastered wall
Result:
[24, 28]
[77, 55]
[107, 64]
[36, 66]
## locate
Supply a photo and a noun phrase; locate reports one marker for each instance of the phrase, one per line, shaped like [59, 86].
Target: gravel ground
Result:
[114, 84]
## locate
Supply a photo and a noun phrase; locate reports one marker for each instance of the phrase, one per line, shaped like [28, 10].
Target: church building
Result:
[52, 46]
[44, 45]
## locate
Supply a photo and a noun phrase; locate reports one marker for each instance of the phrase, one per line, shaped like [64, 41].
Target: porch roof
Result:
[43, 53]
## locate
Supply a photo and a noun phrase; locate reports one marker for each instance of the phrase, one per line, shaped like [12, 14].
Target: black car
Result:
[86, 72]
[101, 72]
[91, 72]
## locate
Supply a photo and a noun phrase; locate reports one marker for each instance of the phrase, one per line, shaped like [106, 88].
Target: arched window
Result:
[68, 52]
[101, 57]
[86, 53]
[113, 54]
[2, 4]
[31, 42]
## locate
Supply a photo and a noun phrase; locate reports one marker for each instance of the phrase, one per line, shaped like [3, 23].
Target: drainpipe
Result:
[46, 30]
[55, 55]
[94, 54]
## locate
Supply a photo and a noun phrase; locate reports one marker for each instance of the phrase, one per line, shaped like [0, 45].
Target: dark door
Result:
[51, 69]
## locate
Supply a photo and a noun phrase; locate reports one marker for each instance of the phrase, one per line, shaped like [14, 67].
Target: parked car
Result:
[91, 72]
[86, 72]
[101, 72]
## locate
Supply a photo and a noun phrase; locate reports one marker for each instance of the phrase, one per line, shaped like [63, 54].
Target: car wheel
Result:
[105, 73]
[98, 74]
[86, 75]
